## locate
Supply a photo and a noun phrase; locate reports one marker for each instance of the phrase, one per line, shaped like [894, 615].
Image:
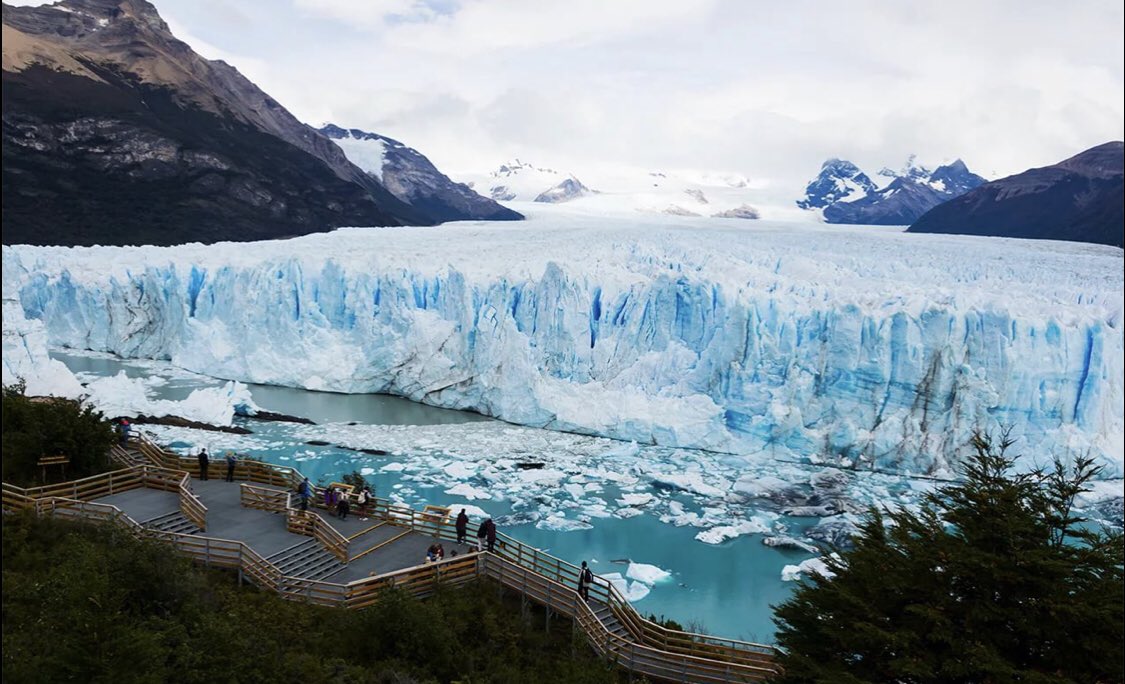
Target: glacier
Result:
[858, 347]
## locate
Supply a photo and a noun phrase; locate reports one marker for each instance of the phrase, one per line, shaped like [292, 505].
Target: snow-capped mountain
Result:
[412, 178]
[521, 181]
[838, 181]
[620, 189]
[845, 194]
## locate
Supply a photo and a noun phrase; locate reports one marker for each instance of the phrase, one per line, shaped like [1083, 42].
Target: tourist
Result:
[330, 498]
[361, 500]
[491, 535]
[232, 461]
[303, 493]
[342, 506]
[482, 533]
[585, 579]
[124, 427]
[462, 526]
[432, 554]
[203, 462]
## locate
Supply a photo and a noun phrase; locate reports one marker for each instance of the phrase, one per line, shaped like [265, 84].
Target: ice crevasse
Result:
[872, 349]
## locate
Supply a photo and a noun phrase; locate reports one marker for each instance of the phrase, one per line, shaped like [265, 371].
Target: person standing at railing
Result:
[204, 460]
[491, 535]
[585, 579]
[462, 526]
[342, 505]
[232, 461]
[304, 491]
[482, 533]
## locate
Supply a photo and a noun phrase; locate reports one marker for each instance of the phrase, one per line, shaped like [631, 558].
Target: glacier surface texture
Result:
[862, 347]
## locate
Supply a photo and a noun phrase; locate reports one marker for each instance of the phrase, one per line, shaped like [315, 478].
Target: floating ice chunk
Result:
[759, 486]
[542, 476]
[812, 566]
[366, 471]
[460, 470]
[635, 499]
[468, 491]
[632, 591]
[628, 512]
[575, 490]
[717, 535]
[690, 482]
[470, 510]
[597, 511]
[649, 574]
[559, 523]
[393, 467]
[787, 542]
[637, 591]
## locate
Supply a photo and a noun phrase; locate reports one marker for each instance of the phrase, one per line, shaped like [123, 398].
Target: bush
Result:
[993, 579]
[44, 426]
[89, 603]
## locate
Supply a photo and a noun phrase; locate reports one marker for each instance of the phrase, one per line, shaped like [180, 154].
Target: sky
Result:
[766, 89]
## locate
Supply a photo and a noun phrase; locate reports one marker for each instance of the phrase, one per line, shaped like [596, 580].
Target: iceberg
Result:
[844, 346]
[649, 574]
[812, 566]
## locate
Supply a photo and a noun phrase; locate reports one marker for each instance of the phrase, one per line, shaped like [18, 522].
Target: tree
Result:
[44, 426]
[991, 579]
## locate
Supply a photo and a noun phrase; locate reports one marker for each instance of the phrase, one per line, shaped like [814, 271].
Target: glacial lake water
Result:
[724, 589]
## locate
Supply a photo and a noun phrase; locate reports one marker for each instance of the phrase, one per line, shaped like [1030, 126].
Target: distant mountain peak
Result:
[839, 180]
[846, 195]
[413, 178]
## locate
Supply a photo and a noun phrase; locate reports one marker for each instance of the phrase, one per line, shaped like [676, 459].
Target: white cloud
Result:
[765, 89]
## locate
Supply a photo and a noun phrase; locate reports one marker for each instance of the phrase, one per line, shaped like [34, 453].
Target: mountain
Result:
[1079, 199]
[847, 195]
[412, 178]
[519, 181]
[115, 132]
[837, 181]
[568, 189]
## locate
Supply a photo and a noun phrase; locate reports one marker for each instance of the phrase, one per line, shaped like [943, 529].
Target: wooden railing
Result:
[263, 498]
[310, 524]
[190, 504]
[92, 487]
[632, 654]
[73, 509]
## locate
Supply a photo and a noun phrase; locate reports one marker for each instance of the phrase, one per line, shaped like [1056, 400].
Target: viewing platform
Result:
[252, 526]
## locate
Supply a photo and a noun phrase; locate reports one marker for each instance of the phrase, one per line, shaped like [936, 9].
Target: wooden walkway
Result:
[268, 534]
[251, 526]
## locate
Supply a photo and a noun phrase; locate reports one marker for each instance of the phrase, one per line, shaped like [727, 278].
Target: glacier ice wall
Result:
[860, 347]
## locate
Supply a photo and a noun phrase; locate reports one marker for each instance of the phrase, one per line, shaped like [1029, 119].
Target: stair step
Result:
[289, 552]
[173, 522]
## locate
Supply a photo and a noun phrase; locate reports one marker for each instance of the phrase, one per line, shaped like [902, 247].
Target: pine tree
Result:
[992, 579]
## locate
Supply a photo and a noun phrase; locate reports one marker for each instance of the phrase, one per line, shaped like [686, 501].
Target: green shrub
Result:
[994, 579]
[44, 426]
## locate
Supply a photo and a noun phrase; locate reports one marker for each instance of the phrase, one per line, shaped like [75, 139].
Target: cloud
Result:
[764, 89]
